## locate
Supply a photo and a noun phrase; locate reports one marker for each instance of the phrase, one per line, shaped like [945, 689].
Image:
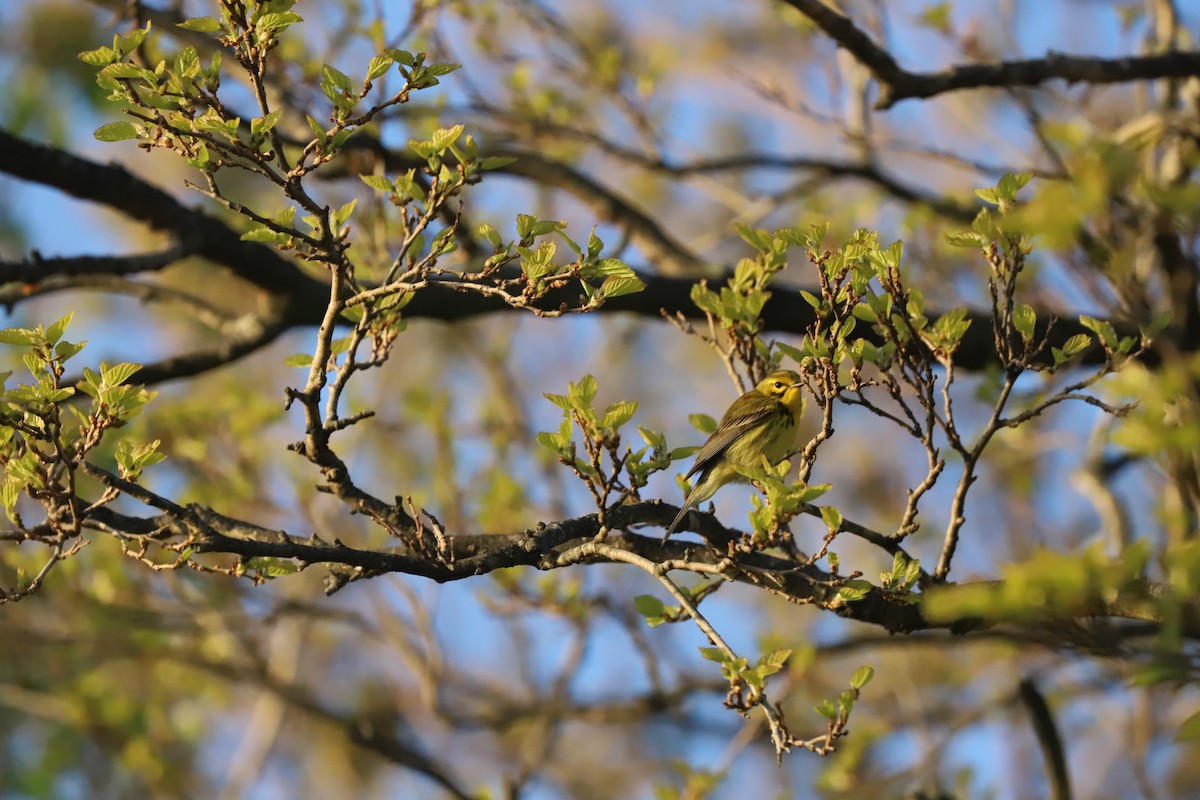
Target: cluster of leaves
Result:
[599, 278]
[612, 475]
[176, 106]
[743, 676]
[735, 310]
[45, 437]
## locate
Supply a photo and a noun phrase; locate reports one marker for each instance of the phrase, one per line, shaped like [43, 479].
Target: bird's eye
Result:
[778, 384]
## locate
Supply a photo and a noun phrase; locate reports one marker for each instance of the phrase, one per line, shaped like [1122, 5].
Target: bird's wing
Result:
[728, 432]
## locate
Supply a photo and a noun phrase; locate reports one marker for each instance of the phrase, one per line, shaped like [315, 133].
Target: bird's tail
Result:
[687, 506]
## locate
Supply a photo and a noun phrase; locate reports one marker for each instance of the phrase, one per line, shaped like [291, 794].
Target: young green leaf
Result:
[200, 24]
[862, 676]
[116, 132]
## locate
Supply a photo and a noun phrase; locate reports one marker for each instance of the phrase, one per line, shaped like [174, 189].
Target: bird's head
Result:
[785, 386]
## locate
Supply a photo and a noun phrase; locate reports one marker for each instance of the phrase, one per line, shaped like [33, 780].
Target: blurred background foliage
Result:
[664, 124]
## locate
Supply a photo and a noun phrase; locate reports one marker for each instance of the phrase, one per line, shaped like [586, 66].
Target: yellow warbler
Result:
[762, 422]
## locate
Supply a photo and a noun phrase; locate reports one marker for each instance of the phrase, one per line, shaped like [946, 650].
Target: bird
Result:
[762, 422]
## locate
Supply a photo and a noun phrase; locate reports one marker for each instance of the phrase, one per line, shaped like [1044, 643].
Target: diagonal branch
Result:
[897, 83]
[1049, 738]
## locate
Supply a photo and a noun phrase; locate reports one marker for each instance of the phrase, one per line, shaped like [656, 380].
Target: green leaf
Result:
[401, 56]
[703, 423]
[854, 590]
[442, 69]
[937, 16]
[336, 77]
[551, 441]
[135, 456]
[618, 285]
[261, 126]
[444, 137]
[378, 66]
[263, 234]
[272, 567]
[1012, 183]
[18, 336]
[1101, 328]
[529, 226]
[496, 162]
[1076, 344]
[617, 414]
[545, 226]
[826, 709]
[10, 490]
[757, 238]
[67, 350]
[811, 299]
[1156, 324]
[492, 235]
[862, 676]
[55, 331]
[966, 239]
[200, 24]
[832, 517]
[99, 57]
[714, 654]
[584, 392]
[1024, 320]
[277, 22]
[298, 360]
[776, 659]
[117, 374]
[988, 195]
[846, 703]
[116, 132]
[339, 138]
[648, 605]
[317, 129]
[560, 400]
[342, 214]
[126, 71]
[1189, 729]
[378, 182]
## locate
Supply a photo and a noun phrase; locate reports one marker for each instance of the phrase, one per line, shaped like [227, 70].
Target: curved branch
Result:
[467, 556]
[897, 83]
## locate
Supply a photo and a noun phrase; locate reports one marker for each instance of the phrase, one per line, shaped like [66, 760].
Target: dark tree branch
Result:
[467, 556]
[897, 83]
[195, 232]
[1048, 738]
[37, 268]
[867, 172]
[295, 299]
